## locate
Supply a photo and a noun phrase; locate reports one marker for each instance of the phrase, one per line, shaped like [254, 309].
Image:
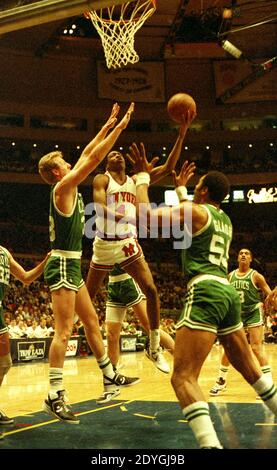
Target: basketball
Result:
[178, 105]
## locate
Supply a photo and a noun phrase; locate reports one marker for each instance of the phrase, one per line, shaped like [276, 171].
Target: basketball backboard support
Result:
[20, 14]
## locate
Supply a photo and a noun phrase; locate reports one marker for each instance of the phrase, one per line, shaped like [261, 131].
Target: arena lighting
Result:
[238, 195]
[233, 50]
[264, 195]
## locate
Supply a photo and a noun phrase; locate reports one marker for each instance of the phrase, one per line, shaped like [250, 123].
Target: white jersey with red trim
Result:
[120, 199]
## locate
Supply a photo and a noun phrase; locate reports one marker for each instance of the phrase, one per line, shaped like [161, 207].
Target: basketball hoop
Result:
[117, 26]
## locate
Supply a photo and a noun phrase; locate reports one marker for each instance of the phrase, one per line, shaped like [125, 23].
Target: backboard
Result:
[19, 14]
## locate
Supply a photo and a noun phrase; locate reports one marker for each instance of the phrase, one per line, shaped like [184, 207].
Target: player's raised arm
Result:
[109, 124]
[97, 154]
[166, 168]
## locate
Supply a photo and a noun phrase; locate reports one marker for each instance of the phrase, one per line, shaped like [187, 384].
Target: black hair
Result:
[109, 155]
[217, 184]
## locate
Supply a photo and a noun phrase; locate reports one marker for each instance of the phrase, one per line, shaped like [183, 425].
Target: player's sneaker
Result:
[158, 358]
[121, 380]
[108, 396]
[111, 386]
[58, 408]
[4, 418]
[219, 386]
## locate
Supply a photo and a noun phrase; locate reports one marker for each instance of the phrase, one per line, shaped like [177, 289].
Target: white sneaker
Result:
[158, 359]
[219, 387]
[108, 396]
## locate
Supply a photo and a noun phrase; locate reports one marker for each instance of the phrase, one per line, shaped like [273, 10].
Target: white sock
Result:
[223, 371]
[106, 366]
[199, 420]
[56, 381]
[154, 339]
[266, 389]
[266, 370]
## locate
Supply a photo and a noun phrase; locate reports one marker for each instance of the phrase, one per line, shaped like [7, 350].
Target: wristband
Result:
[182, 193]
[143, 178]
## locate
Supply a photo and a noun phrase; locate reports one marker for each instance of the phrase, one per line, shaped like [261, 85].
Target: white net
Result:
[117, 27]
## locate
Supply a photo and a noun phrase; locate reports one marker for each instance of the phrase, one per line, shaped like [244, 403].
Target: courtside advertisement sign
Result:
[27, 351]
[72, 347]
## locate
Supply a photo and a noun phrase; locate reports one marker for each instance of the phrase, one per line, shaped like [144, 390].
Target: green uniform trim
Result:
[123, 291]
[66, 230]
[209, 249]
[250, 297]
[211, 306]
[65, 272]
[211, 303]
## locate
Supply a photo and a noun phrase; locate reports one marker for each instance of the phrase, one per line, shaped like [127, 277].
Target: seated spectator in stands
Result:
[51, 328]
[32, 329]
[41, 330]
[20, 329]
[11, 329]
[75, 330]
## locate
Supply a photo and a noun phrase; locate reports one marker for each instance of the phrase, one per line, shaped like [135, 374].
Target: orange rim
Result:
[103, 20]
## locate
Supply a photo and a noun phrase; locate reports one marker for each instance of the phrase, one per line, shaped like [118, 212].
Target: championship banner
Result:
[238, 82]
[142, 82]
[27, 351]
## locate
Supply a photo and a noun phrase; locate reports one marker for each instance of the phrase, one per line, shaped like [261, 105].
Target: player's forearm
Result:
[170, 164]
[175, 153]
[103, 148]
[26, 277]
[95, 141]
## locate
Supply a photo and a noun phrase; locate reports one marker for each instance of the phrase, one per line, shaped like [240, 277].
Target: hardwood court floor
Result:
[144, 416]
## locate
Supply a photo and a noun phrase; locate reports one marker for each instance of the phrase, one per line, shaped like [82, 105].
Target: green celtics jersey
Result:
[250, 295]
[209, 249]
[4, 271]
[66, 230]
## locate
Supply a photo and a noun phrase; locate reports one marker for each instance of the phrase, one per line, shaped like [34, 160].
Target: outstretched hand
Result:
[109, 124]
[187, 120]
[137, 157]
[125, 120]
[186, 173]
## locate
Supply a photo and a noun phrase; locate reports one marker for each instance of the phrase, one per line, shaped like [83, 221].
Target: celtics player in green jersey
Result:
[63, 269]
[212, 305]
[251, 286]
[8, 266]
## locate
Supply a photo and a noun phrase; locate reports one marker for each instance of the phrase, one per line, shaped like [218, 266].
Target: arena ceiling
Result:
[185, 29]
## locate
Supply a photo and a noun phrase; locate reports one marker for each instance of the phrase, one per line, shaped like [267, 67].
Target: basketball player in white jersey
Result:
[114, 194]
